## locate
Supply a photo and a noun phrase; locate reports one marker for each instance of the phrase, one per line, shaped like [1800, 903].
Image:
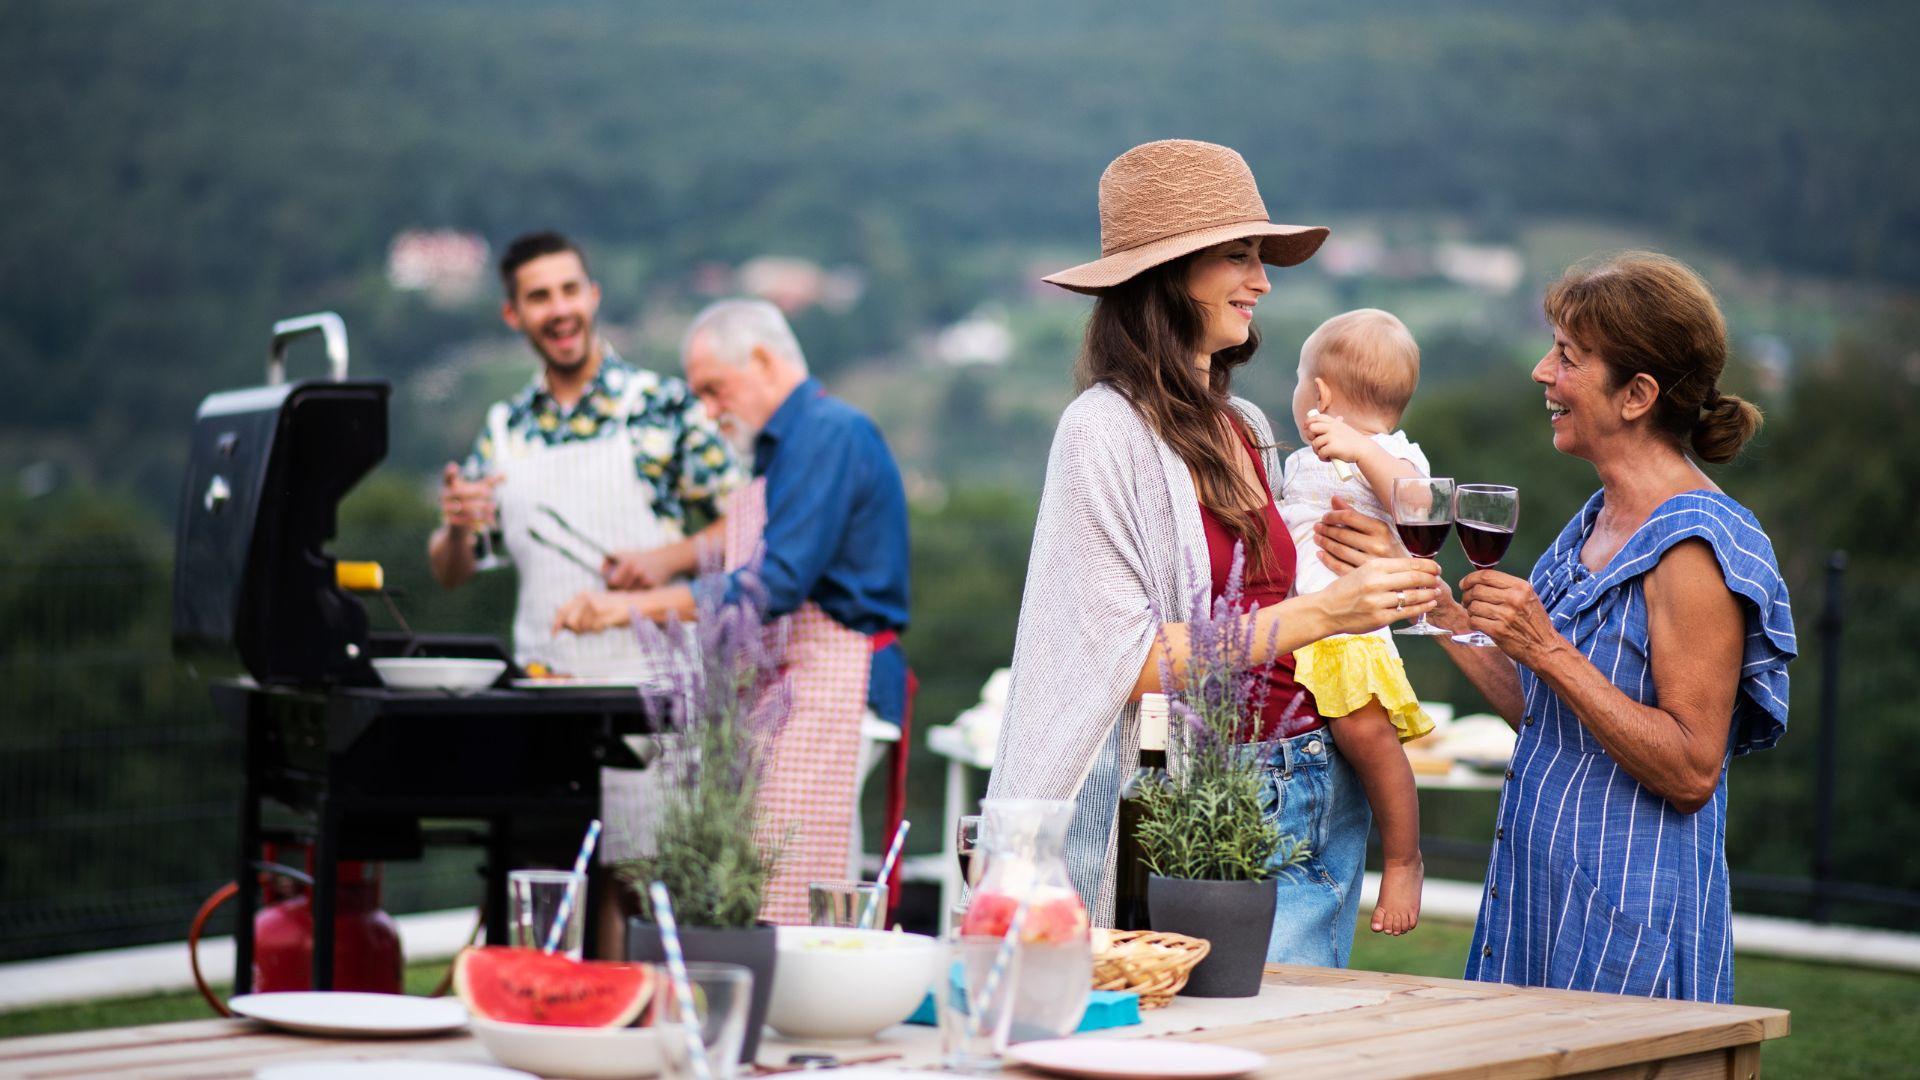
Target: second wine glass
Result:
[1423, 514]
[1485, 516]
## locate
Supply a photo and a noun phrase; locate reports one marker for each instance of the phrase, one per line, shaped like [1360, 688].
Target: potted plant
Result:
[1208, 842]
[700, 827]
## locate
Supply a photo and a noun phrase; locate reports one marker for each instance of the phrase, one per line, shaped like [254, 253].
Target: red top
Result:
[1263, 587]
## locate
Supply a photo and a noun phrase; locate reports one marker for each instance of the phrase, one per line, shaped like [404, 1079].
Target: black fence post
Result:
[1832, 622]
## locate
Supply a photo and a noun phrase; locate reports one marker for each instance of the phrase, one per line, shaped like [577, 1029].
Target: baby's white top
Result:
[1307, 488]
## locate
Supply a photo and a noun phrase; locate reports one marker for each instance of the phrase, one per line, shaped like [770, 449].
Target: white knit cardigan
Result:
[1119, 526]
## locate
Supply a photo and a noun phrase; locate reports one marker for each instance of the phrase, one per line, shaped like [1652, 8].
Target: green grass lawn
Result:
[1847, 1022]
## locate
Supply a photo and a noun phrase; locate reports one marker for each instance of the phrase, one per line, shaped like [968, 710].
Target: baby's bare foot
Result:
[1399, 908]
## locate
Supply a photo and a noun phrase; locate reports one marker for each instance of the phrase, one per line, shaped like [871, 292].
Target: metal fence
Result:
[118, 785]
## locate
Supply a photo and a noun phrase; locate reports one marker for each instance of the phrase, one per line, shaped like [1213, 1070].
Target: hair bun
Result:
[1727, 423]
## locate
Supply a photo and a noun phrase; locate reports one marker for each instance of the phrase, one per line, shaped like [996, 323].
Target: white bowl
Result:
[581, 1053]
[438, 672]
[832, 983]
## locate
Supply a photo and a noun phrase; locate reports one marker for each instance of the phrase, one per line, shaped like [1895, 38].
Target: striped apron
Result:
[810, 782]
[593, 486]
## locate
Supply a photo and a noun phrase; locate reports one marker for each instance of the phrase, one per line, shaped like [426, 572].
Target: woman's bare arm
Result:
[1373, 596]
[1490, 671]
[1694, 626]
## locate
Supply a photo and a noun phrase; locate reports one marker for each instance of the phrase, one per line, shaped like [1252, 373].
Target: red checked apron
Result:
[808, 790]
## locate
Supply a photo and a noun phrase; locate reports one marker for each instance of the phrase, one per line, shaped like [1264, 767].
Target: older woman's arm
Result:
[1490, 671]
[1695, 631]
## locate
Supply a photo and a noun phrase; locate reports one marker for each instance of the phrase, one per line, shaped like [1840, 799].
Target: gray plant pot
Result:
[1236, 918]
[753, 949]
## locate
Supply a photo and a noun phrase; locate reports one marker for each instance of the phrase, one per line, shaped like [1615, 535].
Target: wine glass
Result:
[966, 841]
[1422, 514]
[489, 541]
[1485, 516]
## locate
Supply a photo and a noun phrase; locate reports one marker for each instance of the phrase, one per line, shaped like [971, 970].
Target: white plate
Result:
[1150, 1059]
[437, 672]
[342, 1012]
[387, 1070]
[582, 683]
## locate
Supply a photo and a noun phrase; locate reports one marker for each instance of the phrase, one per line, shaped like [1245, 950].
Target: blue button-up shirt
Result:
[1595, 882]
[836, 529]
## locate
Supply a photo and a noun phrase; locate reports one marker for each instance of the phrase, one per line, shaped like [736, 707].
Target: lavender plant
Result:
[1208, 820]
[725, 674]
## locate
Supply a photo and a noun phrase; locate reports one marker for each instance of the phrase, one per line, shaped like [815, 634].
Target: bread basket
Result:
[1153, 965]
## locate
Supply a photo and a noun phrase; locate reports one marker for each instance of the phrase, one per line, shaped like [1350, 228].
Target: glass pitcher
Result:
[1025, 841]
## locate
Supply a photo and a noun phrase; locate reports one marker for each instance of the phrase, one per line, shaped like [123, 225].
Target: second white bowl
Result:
[584, 1053]
[833, 983]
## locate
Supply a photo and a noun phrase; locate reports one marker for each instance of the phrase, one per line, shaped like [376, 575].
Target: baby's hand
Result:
[1333, 439]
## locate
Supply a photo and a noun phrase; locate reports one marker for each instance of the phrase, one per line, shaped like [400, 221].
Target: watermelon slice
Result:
[527, 986]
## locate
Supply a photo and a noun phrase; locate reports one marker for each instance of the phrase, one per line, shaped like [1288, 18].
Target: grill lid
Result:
[268, 468]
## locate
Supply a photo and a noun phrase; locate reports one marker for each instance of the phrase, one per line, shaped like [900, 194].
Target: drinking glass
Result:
[1423, 514]
[489, 541]
[966, 842]
[537, 899]
[1485, 516]
[857, 904]
[975, 1006]
[721, 994]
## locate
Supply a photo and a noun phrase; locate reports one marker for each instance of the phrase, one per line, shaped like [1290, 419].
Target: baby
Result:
[1357, 373]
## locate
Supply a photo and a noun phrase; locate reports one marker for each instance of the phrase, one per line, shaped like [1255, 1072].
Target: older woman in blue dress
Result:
[1648, 650]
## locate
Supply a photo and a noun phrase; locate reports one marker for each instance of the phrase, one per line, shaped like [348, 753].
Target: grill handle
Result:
[328, 325]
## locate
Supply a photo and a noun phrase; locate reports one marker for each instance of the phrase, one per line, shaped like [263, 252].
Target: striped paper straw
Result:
[682, 986]
[997, 974]
[893, 851]
[579, 874]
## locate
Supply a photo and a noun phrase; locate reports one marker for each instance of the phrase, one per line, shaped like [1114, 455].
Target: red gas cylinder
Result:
[366, 942]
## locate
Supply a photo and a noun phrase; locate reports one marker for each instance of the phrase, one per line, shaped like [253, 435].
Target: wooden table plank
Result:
[1438, 1029]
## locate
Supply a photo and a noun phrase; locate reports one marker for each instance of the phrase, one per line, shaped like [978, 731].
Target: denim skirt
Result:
[1316, 797]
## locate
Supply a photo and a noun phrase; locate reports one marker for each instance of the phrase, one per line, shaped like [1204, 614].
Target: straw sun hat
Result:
[1162, 200]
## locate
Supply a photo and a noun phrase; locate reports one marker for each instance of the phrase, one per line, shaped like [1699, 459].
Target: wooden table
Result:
[1425, 1028]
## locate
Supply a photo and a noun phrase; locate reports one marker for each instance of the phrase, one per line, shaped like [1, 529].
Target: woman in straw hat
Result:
[1157, 472]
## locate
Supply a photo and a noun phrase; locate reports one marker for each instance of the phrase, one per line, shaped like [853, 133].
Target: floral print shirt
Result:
[678, 451]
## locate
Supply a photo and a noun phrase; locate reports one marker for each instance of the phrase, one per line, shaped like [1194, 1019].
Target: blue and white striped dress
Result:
[1595, 883]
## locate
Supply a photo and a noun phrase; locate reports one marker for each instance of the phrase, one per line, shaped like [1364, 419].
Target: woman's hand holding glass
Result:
[1379, 592]
[1504, 608]
[1377, 584]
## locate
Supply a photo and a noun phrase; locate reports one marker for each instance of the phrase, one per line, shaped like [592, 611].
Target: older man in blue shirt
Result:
[834, 558]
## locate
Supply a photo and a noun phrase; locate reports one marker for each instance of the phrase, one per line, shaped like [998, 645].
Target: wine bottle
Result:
[1130, 866]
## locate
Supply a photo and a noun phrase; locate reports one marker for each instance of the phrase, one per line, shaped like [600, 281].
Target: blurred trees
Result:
[180, 177]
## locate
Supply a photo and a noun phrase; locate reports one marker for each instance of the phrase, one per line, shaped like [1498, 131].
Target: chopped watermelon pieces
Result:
[1054, 917]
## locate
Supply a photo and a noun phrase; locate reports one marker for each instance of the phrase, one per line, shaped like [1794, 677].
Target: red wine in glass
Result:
[1485, 515]
[1423, 541]
[1423, 515]
[1484, 544]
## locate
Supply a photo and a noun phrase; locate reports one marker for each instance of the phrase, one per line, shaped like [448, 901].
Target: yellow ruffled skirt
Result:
[1347, 671]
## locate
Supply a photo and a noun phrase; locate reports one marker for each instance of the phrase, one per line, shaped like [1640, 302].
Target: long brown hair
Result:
[1141, 340]
[1646, 313]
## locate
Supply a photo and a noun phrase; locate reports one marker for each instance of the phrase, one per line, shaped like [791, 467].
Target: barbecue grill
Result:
[358, 767]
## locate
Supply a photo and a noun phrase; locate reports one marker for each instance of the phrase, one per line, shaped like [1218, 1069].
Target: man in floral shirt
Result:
[593, 465]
